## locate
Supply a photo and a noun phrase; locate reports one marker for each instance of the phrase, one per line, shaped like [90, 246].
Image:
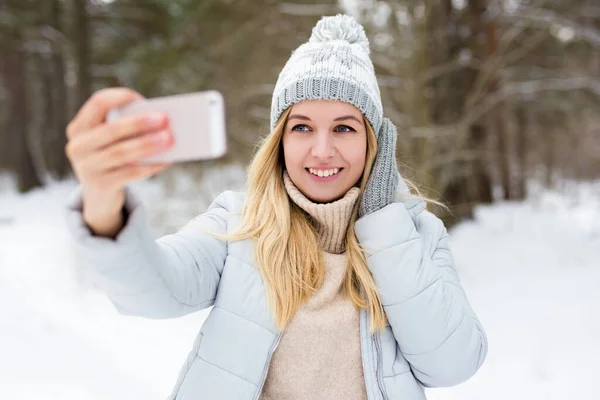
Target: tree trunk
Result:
[82, 52]
[13, 68]
[470, 183]
[522, 173]
[420, 104]
[546, 126]
[499, 112]
[57, 95]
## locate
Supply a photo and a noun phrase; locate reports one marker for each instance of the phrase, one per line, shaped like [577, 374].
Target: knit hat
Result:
[333, 65]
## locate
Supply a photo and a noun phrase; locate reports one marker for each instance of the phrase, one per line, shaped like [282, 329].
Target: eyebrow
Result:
[342, 118]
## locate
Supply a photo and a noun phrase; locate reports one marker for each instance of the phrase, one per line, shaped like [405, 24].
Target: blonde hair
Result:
[285, 241]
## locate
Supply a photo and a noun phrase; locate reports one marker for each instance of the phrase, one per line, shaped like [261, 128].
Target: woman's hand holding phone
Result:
[105, 155]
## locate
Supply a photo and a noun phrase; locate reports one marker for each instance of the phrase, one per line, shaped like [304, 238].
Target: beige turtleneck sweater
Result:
[319, 355]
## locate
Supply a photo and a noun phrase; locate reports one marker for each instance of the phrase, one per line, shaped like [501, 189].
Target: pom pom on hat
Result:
[340, 27]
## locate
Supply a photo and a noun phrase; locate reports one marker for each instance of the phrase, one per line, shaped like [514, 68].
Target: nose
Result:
[323, 146]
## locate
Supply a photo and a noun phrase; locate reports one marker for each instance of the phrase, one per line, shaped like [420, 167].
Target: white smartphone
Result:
[197, 121]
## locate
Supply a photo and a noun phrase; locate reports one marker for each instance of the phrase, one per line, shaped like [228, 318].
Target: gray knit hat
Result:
[333, 65]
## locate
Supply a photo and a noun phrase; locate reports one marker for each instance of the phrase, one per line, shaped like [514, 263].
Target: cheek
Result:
[356, 154]
[291, 152]
[360, 160]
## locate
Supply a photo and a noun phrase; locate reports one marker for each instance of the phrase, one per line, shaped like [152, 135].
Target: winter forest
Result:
[497, 105]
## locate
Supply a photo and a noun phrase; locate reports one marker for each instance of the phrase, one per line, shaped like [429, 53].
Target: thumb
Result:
[387, 133]
[386, 147]
[386, 142]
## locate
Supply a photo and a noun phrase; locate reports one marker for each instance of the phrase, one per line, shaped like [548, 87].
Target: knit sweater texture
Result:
[319, 355]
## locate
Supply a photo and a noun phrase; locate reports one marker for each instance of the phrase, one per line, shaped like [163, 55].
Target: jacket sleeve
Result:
[169, 277]
[436, 329]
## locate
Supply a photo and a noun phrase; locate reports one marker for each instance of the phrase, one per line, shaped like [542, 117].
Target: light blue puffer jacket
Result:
[433, 339]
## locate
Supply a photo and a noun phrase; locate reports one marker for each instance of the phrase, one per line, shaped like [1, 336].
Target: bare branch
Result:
[527, 46]
[7, 19]
[442, 160]
[389, 65]
[134, 14]
[225, 44]
[547, 18]
[590, 11]
[307, 9]
[558, 84]
[492, 65]
[395, 82]
[447, 68]
[53, 35]
[528, 72]
[258, 89]
[431, 132]
[516, 29]
[511, 35]
[509, 90]
[398, 117]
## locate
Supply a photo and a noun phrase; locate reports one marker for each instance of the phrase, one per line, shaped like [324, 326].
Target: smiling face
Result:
[324, 146]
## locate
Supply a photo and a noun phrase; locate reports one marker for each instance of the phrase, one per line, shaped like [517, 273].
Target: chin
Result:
[324, 197]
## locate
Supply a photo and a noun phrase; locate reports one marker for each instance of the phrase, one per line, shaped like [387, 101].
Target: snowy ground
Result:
[532, 272]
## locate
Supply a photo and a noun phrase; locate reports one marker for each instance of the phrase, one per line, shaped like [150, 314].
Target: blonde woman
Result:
[328, 278]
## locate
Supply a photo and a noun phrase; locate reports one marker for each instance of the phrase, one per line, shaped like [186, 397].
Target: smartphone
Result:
[197, 121]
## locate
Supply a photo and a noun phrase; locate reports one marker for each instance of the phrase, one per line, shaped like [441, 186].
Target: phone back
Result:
[197, 121]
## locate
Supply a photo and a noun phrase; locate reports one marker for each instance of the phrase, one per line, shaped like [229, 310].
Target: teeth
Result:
[324, 173]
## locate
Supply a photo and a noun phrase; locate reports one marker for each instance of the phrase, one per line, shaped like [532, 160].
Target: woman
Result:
[329, 280]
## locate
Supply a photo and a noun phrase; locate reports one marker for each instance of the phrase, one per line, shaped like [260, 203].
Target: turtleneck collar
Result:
[332, 219]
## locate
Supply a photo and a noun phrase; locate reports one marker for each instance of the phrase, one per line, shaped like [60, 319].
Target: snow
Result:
[531, 271]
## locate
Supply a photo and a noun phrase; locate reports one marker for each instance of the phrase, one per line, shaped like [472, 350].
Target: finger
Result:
[94, 110]
[107, 134]
[135, 172]
[125, 128]
[130, 150]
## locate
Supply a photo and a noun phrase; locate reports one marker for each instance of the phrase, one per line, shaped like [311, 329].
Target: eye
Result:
[300, 128]
[344, 129]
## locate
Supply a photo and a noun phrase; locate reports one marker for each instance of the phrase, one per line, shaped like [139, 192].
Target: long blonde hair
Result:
[285, 241]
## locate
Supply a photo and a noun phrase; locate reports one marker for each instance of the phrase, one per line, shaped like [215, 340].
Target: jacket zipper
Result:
[264, 376]
[379, 371]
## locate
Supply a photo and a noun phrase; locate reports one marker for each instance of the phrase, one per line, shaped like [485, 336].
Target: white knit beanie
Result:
[333, 65]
